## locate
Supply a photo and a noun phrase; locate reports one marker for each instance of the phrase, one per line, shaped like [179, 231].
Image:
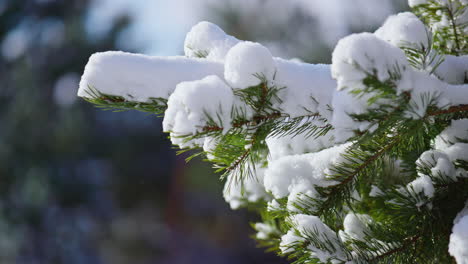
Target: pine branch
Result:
[118, 103]
[407, 242]
[450, 110]
[454, 27]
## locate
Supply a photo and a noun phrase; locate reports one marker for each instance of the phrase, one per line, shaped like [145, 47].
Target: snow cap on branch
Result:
[250, 189]
[355, 226]
[246, 62]
[458, 245]
[138, 77]
[413, 3]
[289, 240]
[193, 104]
[308, 88]
[298, 144]
[456, 132]
[404, 30]
[358, 56]
[454, 69]
[207, 40]
[304, 172]
[422, 184]
[307, 225]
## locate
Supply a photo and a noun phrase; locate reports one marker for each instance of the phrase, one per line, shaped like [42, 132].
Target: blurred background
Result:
[81, 185]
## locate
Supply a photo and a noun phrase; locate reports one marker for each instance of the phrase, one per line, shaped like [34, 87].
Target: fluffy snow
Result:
[264, 230]
[193, 102]
[449, 147]
[456, 132]
[458, 245]
[355, 226]
[359, 55]
[299, 144]
[310, 224]
[422, 184]
[427, 88]
[344, 104]
[273, 205]
[456, 94]
[307, 87]
[289, 240]
[246, 60]
[304, 171]
[453, 70]
[208, 40]
[138, 77]
[249, 189]
[414, 3]
[438, 162]
[458, 151]
[404, 30]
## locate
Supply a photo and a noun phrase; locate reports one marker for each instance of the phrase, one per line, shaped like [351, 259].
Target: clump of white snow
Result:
[344, 104]
[355, 226]
[458, 245]
[426, 89]
[289, 240]
[404, 30]
[304, 173]
[192, 105]
[359, 55]
[207, 40]
[307, 225]
[421, 185]
[246, 62]
[453, 70]
[264, 230]
[247, 190]
[281, 146]
[138, 77]
[413, 3]
[449, 147]
[308, 88]
[438, 162]
[456, 132]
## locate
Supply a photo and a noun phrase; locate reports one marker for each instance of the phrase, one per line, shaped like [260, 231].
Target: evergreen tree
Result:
[361, 161]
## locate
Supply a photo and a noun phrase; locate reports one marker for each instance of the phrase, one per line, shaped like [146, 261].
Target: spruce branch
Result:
[118, 103]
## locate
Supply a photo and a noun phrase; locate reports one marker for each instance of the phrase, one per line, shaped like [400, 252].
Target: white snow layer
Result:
[192, 104]
[308, 87]
[422, 184]
[310, 224]
[299, 144]
[246, 63]
[138, 77]
[456, 132]
[453, 70]
[250, 189]
[355, 226]
[264, 230]
[404, 30]
[207, 40]
[304, 172]
[360, 55]
[289, 240]
[458, 245]
[449, 147]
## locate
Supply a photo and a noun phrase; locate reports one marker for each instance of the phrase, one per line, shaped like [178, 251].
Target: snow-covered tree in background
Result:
[361, 161]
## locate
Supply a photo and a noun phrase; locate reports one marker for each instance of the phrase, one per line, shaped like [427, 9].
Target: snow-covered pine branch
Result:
[352, 162]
